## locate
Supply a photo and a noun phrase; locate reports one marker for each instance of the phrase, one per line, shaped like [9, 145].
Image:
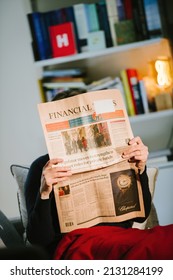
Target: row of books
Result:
[85, 27]
[134, 91]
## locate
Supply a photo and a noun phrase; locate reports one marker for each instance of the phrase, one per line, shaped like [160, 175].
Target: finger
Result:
[136, 140]
[54, 161]
[50, 181]
[61, 169]
[141, 155]
[133, 148]
[63, 179]
[62, 174]
[136, 153]
[54, 181]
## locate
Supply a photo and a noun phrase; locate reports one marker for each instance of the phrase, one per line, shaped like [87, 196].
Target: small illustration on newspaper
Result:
[89, 132]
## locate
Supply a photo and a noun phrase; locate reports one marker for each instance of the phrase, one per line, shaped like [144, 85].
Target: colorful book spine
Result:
[140, 21]
[128, 9]
[112, 11]
[104, 22]
[68, 16]
[92, 17]
[165, 18]
[69, 72]
[125, 32]
[41, 42]
[81, 19]
[41, 91]
[144, 96]
[135, 90]
[54, 85]
[121, 11]
[128, 95]
[153, 18]
[55, 17]
[87, 21]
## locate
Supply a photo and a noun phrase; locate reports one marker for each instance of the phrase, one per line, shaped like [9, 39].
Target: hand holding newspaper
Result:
[90, 131]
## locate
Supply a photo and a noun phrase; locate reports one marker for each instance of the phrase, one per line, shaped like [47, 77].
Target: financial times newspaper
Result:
[89, 132]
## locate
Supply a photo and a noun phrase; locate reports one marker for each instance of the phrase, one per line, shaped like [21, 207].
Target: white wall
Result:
[21, 138]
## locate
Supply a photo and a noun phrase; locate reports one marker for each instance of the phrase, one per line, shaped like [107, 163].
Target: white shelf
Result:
[152, 116]
[155, 129]
[88, 55]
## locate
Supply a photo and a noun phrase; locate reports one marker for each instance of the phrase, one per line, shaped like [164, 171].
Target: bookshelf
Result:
[100, 53]
[108, 62]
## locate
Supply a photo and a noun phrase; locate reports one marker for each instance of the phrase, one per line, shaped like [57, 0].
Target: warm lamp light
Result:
[159, 83]
[164, 71]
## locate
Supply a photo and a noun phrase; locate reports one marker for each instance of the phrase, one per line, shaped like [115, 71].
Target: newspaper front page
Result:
[89, 132]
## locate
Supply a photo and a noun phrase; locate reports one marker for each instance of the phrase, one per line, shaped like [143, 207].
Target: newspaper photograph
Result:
[88, 131]
[111, 194]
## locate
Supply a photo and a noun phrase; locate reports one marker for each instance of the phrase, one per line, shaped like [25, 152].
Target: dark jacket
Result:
[43, 225]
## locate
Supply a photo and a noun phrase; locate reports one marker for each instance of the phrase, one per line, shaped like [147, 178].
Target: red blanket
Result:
[112, 243]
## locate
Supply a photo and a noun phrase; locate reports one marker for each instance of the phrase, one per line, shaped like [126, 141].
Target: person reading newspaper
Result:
[43, 225]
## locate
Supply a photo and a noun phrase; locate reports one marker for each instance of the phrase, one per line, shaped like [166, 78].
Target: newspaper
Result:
[90, 131]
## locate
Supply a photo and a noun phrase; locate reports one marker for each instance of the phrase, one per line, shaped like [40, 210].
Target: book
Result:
[41, 90]
[63, 39]
[92, 17]
[140, 21]
[81, 20]
[112, 11]
[163, 101]
[63, 84]
[144, 96]
[68, 16]
[54, 17]
[87, 21]
[96, 41]
[65, 79]
[99, 84]
[165, 9]
[40, 37]
[153, 18]
[128, 9]
[121, 11]
[69, 72]
[135, 90]
[125, 32]
[104, 22]
[128, 95]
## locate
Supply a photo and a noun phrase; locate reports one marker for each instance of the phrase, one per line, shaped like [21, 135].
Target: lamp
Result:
[164, 78]
[159, 83]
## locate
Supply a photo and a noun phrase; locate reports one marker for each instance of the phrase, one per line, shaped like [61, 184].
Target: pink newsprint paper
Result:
[90, 131]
